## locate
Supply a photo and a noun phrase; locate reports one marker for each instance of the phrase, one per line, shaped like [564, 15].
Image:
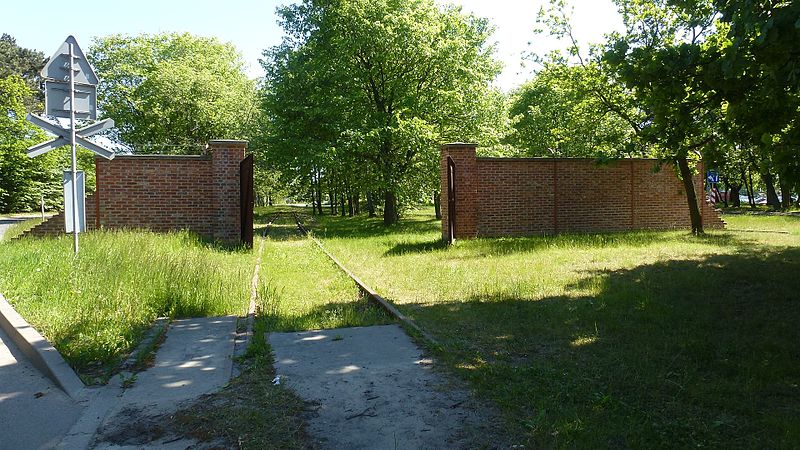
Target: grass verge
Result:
[643, 339]
[95, 307]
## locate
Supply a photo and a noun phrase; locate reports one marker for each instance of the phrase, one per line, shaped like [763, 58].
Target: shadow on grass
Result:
[681, 353]
[505, 246]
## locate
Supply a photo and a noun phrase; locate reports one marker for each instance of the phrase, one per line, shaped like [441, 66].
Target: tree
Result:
[758, 75]
[381, 83]
[22, 180]
[27, 63]
[663, 59]
[172, 93]
[558, 114]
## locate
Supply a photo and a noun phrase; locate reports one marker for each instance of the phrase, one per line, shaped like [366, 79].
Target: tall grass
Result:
[95, 307]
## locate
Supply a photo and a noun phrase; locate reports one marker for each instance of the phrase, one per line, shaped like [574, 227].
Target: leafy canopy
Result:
[172, 93]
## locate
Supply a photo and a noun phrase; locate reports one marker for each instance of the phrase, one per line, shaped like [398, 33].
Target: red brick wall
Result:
[524, 196]
[163, 193]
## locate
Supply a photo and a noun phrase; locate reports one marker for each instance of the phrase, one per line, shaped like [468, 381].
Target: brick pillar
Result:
[466, 183]
[225, 158]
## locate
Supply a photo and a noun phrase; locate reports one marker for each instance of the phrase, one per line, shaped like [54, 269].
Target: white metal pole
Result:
[75, 220]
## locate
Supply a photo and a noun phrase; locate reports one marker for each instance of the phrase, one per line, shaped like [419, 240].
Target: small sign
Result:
[68, 207]
[57, 100]
[57, 68]
[712, 176]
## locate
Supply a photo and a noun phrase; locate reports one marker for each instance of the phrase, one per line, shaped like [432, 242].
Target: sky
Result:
[251, 25]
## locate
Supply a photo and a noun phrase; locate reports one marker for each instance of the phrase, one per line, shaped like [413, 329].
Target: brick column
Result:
[225, 158]
[466, 184]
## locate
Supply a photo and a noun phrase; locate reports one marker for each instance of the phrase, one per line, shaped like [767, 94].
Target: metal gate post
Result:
[451, 201]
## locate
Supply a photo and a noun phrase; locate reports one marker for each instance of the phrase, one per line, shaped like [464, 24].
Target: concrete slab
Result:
[195, 359]
[374, 389]
[34, 412]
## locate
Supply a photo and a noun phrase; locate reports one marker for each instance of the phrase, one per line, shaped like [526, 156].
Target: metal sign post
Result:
[60, 100]
[75, 221]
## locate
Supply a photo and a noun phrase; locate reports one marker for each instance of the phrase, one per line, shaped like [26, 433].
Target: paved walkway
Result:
[373, 389]
[195, 359]
[34, 413]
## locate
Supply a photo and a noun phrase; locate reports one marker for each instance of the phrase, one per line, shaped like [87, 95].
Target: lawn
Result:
[95, 307]
[643, 340]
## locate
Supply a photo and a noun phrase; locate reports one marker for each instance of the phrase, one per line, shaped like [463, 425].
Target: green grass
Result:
[643, 340]
[95, 308]
[301, 289]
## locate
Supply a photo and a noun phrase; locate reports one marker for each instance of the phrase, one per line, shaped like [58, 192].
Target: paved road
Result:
[34, 413]
[6, 222]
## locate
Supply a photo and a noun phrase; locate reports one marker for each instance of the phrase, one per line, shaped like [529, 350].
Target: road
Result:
[34, 413]
[6, 222]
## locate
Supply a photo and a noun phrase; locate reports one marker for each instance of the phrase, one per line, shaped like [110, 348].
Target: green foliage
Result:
[663, 59]
[172, 93]
[23, 180]
[758, 74]
[362, 92]
[557, 113]
[27, 63]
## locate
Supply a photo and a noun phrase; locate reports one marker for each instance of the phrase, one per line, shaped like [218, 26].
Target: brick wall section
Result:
[226, 157]
[156, 192]
[55, 224]
[165, 193]
[525, 196]
[466, 189]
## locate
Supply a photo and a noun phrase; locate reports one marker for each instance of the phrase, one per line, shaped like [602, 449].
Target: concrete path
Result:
[373, 389]
[34, 413]
[195, 359]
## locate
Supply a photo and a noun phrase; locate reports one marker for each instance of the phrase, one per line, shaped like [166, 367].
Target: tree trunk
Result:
[350, 208]
[727, 194]
[341, 203]
[772, 196]
[691, 196]
[735, 188]
[786, 193]
[437, 204]
[370, 205]
[357, 204]
[319, 194]
[390, 216]
[750, 194]
[332, 201]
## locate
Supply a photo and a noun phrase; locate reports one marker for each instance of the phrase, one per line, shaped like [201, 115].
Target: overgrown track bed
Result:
[300, 289]
[643, 340]
[368, 292]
